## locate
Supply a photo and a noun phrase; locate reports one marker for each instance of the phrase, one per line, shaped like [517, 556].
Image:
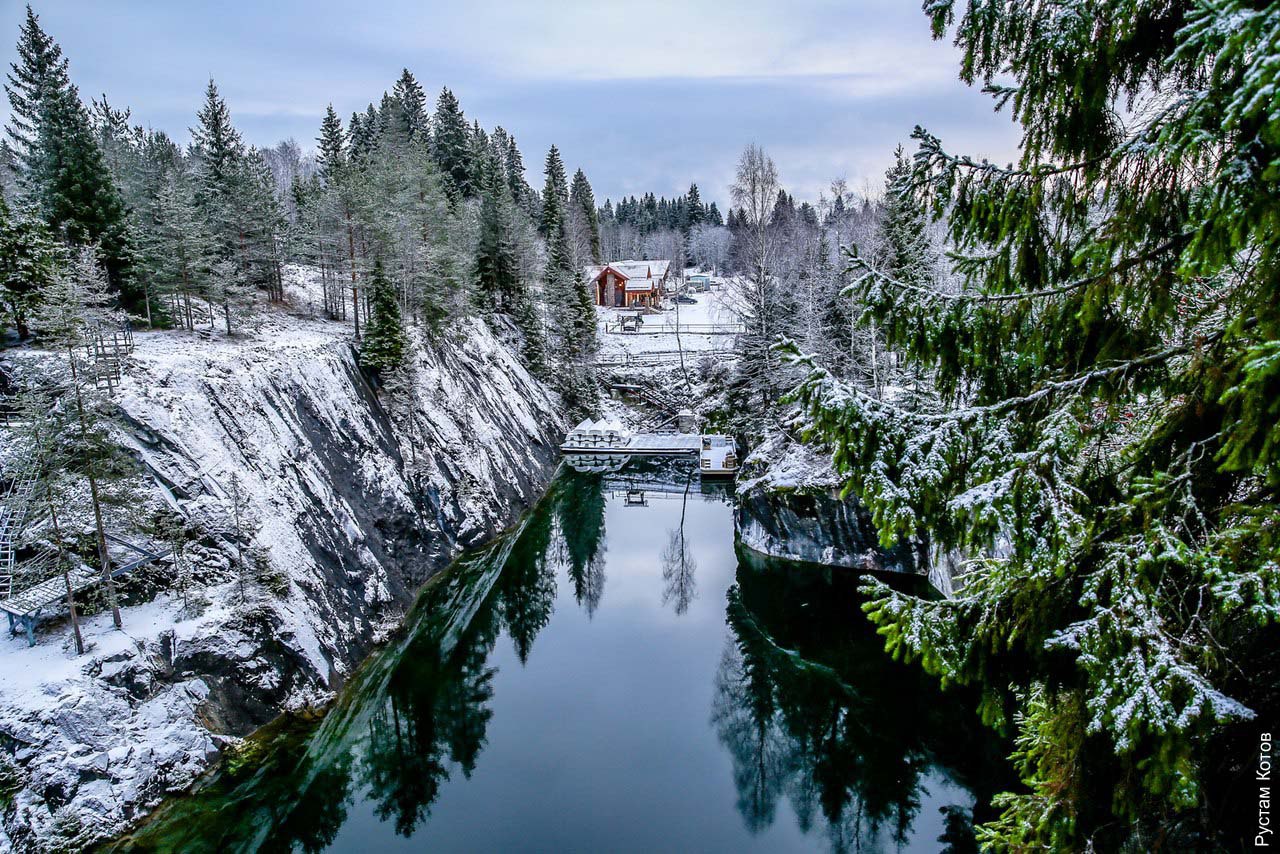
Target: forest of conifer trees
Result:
[1060, 375]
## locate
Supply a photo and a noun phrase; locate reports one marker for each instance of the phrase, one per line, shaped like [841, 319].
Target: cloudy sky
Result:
[646, 95]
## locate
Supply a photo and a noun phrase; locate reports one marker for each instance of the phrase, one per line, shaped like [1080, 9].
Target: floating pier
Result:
[645, 444]
[717, 454]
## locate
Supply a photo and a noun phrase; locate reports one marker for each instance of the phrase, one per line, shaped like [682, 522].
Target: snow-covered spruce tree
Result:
[62, 173]
[139, 161]
[584, 220]
[571, 312]
[177, 248]
[230, 295]
[478, 153]
[385, 345]
[499, 283]
[41, 69]
[235, 196]
[30, 259]
[522, 194]
[331, 145]
[451, 146]
[262, 226]
[1112, 366]
[425, 242]
[411, 104]
[696, 213]
[555, 193]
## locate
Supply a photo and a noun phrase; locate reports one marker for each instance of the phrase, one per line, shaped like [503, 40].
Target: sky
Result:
[643, 96]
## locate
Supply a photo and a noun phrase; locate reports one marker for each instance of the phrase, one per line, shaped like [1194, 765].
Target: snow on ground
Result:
[780, 462]
[658, 336]
[105, 747]
[352, 498]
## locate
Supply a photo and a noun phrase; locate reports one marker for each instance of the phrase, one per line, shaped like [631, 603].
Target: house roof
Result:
[631, 270]
[643, 269]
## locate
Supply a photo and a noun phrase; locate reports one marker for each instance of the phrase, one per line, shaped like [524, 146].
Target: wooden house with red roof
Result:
[629, 284]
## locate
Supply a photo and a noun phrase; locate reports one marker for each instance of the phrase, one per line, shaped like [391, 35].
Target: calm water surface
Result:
[613, 676]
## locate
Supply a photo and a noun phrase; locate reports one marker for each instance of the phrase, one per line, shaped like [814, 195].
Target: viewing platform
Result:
[717, 455]
[649, 444]
[25, 608]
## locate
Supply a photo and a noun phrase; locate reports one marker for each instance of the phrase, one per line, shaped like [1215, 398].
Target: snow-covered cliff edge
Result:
[350, 498]
[789, 507]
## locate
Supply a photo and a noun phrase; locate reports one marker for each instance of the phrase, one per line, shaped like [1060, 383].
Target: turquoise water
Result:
[613, 675]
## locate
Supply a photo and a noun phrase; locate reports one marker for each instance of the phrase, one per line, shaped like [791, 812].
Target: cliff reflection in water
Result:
[809, 709]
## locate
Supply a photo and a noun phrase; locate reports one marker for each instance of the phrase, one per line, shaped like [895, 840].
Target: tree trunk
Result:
[66, 577]
[108, 582]
[355, 292]
[875, 373]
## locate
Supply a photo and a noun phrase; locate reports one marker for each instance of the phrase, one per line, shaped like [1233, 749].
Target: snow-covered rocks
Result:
[352, 498]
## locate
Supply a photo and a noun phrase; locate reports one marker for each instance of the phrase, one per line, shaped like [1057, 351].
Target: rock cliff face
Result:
[346, 499]
[818, 528]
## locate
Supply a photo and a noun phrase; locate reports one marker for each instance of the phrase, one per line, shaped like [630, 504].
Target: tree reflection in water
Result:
[806, 703]
[810, 708]
[417, 712]
[436, 711]
[580, 506]
[679, 567]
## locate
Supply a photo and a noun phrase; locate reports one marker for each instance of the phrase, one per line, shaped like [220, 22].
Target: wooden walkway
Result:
[33, 603]
[105, 351]
[654, 328]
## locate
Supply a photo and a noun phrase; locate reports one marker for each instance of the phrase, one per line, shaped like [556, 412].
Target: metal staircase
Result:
[106, 352]
[38, 586]
[13, 515]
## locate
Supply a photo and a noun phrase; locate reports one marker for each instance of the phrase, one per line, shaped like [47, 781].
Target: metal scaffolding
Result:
[37, 586]
[106, 351]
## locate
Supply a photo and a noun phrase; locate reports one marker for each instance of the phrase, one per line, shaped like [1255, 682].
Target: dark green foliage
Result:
[384, 345]
[500, 284]
[62, 173]
[555, 196]
[30, 260]
[570, 307]
[361, 133]
[235, 194]
[692, 204]
[521, 193]
[580, 510]
[585, 218]
[1111, 453]
[451, 145]
[810, 712]
[39, 73]
[650, 213]
[217, 142]
[411, 109]
[177, 247]
[331, 153]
